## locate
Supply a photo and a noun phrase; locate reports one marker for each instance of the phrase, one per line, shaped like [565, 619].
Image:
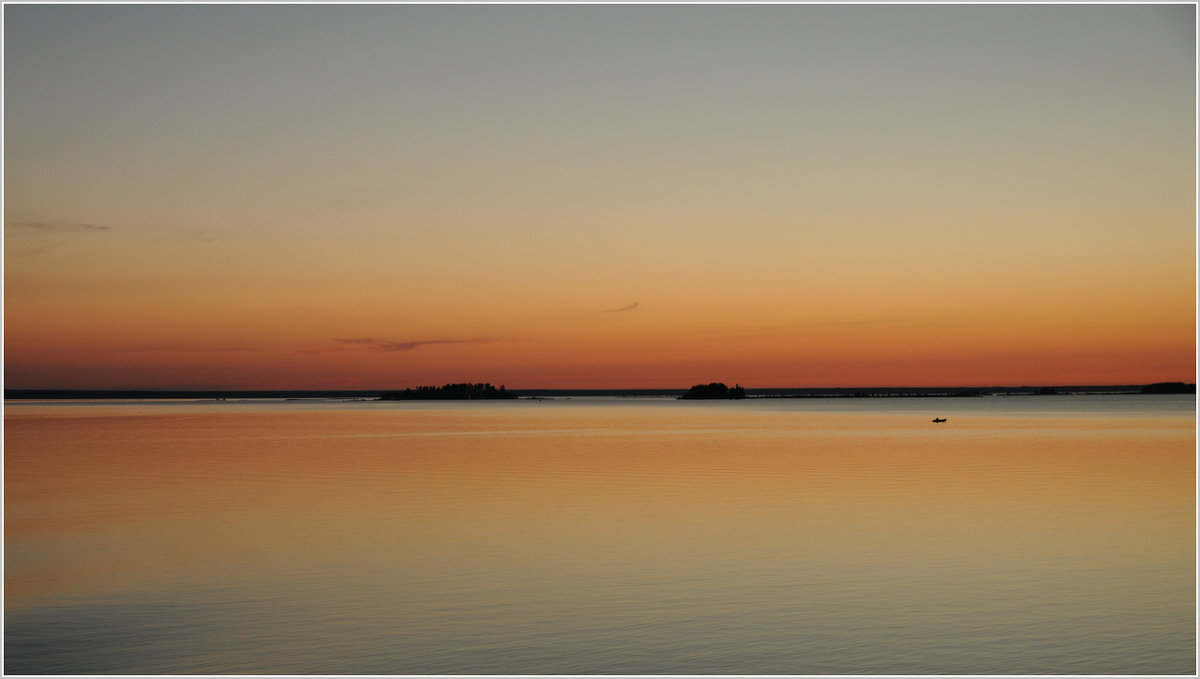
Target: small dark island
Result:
[715, 390]
[460, 391]
[1169, 388]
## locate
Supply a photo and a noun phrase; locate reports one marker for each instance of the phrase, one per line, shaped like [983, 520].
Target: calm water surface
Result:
[1026, 535]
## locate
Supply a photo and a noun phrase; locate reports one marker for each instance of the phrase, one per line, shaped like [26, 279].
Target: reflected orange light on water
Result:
[190, 496]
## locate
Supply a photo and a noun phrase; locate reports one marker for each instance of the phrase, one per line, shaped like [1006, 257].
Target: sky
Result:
[621, 196]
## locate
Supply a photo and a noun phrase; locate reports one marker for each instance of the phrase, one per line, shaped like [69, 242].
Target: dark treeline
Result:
[459, 391]
[1169, 388]
[774, 392]
[940, 392]
[152, 394]
[715, 390]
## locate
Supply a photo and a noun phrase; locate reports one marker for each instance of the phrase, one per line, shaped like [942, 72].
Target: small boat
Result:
[939, 419]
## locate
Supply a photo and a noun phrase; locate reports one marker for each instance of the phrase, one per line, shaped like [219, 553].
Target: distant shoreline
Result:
[751, 393]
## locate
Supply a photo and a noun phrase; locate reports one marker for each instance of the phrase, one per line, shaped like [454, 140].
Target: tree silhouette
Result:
[458, 391]
[714, 390]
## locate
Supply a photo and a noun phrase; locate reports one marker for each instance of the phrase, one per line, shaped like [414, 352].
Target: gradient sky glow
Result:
[381, 196]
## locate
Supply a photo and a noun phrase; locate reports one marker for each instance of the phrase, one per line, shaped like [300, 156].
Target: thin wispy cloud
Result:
[60, 227]
[34, 238]
[624, 308]
[385, 345]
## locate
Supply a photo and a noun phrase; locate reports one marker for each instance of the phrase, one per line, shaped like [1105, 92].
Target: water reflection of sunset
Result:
[183, 496]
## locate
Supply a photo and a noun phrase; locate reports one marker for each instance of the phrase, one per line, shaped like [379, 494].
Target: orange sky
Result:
[387, 196]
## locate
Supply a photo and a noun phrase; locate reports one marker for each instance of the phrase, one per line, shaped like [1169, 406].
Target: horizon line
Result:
[164, 392]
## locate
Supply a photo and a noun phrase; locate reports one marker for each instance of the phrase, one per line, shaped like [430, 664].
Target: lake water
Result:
[1026, 535]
